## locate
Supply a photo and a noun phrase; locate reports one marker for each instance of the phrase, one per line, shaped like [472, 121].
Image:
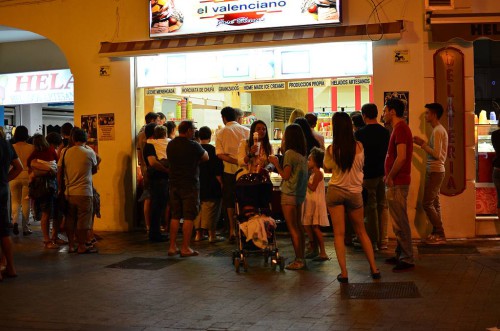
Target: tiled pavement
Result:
[60, 291]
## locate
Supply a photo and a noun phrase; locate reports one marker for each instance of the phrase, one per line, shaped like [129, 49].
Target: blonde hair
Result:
[296, 113]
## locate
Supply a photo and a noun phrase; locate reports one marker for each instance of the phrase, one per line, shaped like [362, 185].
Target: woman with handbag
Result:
[55, 140]
[42, 165]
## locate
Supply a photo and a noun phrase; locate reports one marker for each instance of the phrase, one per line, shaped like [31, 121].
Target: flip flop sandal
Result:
[177, 252]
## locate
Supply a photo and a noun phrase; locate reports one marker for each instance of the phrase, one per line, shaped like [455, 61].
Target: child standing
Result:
[315, 214]
[160, 142]
[293, 189]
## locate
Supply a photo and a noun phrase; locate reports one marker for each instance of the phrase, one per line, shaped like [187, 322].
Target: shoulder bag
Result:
[62, 202]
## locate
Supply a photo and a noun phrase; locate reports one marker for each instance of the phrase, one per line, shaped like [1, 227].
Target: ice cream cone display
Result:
[193, 17]
[164, 16]
[178, 110]
[183, 108]
[321, 10]
[189, 110]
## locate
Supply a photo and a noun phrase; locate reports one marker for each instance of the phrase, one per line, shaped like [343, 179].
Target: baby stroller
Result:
[256, 229]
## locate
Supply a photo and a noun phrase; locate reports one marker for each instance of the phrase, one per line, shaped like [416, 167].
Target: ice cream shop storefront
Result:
[482, 33]
[265, 57]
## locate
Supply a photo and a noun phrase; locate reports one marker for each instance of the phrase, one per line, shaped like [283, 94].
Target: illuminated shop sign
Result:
[165, 90]
[198, 89]
[264, 86]
[307, 84]
[449, 87]
[170, 18]
[351, 81]
[36, 87]
[255, 87]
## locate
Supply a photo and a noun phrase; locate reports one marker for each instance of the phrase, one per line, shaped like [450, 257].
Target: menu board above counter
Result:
[261, 86]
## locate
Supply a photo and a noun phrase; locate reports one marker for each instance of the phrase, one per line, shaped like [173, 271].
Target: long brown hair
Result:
[295, 139]
[344, 144]
[40, 143]
[265, 141]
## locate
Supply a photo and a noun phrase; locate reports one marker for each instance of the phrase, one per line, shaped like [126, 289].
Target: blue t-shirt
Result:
[297, 183]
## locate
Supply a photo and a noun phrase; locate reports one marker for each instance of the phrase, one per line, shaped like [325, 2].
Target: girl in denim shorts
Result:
[293, 189]
[345, 157]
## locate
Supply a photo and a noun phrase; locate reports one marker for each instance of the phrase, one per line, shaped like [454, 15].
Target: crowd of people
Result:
[188, 180]
[49, 177]
[370, 166]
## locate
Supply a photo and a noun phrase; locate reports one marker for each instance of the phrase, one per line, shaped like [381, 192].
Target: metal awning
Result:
[468, 27]
[390, 30]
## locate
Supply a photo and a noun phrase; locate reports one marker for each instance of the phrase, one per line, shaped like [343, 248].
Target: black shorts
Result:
[184, 202]
[228, 189]
[45, 203]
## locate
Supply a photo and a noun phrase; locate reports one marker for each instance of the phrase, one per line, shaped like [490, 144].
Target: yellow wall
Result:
[284, 98]
[78, 27]
[78, 37]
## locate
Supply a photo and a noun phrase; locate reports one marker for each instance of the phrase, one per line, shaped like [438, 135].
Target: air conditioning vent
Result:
[439, 4]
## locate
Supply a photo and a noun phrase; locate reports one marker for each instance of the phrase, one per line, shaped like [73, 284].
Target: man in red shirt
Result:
[397, 181]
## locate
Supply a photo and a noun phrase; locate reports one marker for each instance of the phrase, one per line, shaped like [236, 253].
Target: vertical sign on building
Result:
[449, 89]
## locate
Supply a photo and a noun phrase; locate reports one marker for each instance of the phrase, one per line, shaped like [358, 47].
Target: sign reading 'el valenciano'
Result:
[449, 85]
[171, 18]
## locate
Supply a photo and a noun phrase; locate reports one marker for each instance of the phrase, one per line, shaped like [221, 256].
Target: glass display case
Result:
[485, 154]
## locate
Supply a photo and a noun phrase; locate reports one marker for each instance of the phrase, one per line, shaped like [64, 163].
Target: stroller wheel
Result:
[237, 264]
[282, 263]
[235, 255]
[274, 263]
[266, 257]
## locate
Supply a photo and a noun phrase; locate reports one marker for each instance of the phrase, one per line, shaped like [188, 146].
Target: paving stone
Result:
[205, 293]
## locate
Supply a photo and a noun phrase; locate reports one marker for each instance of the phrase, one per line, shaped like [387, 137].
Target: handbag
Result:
[41, 187]
[62, 202]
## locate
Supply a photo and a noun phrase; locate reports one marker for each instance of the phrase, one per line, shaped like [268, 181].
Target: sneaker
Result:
[216, 239]
[403, 266]
[296, 265]
[383, 246]
[435, 239]
[356, 243]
